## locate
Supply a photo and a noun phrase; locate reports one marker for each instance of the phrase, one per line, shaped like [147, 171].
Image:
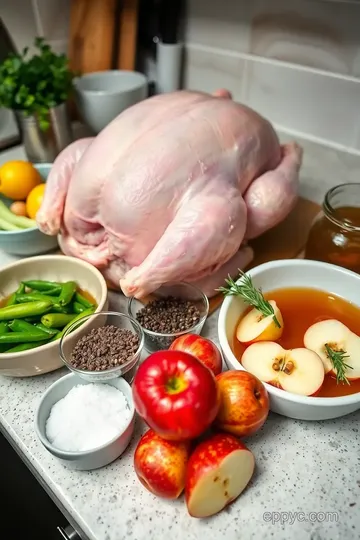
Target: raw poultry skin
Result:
[171, 190]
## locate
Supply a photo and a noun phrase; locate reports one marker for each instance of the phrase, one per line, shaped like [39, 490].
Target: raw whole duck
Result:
[171, 190]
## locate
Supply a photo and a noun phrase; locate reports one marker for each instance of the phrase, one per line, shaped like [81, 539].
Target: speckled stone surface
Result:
[301, 468]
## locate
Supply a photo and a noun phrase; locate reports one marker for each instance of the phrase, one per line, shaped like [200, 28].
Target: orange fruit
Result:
[34, 200]
[17, 179]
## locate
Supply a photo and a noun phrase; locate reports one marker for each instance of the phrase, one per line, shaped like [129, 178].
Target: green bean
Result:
[76, 318]
[57, 320]
[50, 331]
[35, 297]
[67, 293]
[12, 299]
[20, 311]
[78, 308]
[39, 285]
[53, 292]
[26, 346]
[18, 325]
[4, 328]
[82, 300]
[23, 337]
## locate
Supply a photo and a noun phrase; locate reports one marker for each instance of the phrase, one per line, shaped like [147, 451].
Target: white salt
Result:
[89, 416]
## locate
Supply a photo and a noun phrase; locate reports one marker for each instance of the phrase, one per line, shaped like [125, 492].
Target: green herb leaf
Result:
[36, 84]
[337, 358]
[252, 296]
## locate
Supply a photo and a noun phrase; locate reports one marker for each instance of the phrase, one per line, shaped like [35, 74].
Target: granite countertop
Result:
[307, 480]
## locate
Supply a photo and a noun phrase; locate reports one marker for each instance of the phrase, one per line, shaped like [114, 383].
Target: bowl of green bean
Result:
[40, 299]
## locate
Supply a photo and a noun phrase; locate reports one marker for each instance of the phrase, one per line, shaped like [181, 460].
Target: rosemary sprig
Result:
[252, 296]
[337, 358]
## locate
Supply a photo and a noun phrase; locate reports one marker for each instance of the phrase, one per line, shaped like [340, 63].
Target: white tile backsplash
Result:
[209, 70]
[300, 61]
[323, 105]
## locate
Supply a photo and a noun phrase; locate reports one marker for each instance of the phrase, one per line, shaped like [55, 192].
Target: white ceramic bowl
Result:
[89, 459]
[28, 241]
[52, 268]
[102, 95]
[294, 273]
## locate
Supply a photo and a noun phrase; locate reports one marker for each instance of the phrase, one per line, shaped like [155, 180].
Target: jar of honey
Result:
[335, 234]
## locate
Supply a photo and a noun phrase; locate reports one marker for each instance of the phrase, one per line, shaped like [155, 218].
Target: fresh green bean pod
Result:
[57, 320]
[4, 328]
[20, 311]
[68, 290]
[35, 297]
[76, 318]
[23, 337]
[26, 346]
[19, 325]
[12, 299]
[78, 308]
[82, 300]
[43, 286]
[50, 331]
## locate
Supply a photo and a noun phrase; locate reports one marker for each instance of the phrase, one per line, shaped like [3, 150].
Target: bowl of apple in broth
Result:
[295, 325]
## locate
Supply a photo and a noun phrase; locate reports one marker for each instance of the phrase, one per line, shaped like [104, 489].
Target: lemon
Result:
[17, 179]
[34, 200]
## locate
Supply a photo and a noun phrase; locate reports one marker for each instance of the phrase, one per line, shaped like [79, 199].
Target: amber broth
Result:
[300, 309]
[85, 294]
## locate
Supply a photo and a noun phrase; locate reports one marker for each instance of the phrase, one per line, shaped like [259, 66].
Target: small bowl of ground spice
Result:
[109, 347]
[170, 312]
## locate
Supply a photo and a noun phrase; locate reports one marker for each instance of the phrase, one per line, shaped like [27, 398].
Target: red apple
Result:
[161, 465]
[218, 471]
[176, 395]
[244, 403]
[203, 349]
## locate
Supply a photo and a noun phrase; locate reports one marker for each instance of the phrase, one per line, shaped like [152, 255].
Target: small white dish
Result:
[294, 273]
[90, 459]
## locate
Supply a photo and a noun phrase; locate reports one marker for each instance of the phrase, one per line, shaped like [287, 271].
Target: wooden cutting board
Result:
[286, 241]
[91, 39]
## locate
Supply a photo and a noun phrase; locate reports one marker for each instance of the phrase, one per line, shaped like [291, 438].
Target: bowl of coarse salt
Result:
[86, 425]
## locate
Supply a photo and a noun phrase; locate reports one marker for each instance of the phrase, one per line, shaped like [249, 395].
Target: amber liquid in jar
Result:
[335, 235]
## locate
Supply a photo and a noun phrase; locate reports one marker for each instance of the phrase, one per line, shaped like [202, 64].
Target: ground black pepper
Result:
[103, 348]
[168, 315]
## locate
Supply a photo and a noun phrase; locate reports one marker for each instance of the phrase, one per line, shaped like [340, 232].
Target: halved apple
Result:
[299, 371]
[339, 338]
[255, 327]
[218, 471]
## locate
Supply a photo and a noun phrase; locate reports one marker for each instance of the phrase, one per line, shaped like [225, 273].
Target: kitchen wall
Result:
[297, 62]
[26, 19]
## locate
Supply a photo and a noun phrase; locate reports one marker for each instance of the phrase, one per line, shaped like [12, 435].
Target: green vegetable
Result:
[4, 329]
[78, 308]
[50, 331]
[43, 286]
[82, 300]
[56, 320]
[12, 299]
[6, 226]
[35, 297]
[67, 292]
[25, 346]
[20, 311]
[53, 292]
[18, 325]
[12, 220]
[23, 337]
[76, 318]
[36, 84]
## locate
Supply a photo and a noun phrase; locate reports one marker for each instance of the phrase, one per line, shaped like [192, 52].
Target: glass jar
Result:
[335, 234]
